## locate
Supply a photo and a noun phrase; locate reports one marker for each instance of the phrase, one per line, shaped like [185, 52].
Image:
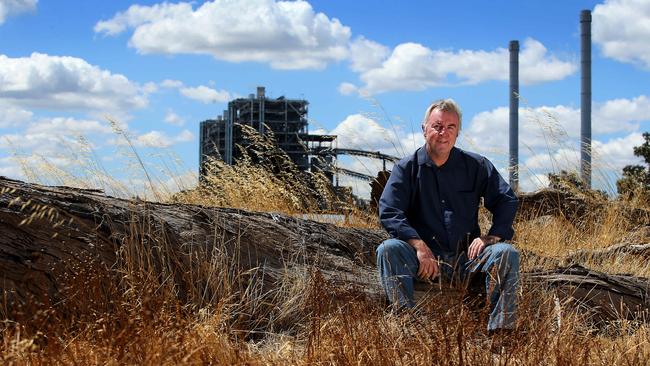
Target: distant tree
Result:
[636, 178]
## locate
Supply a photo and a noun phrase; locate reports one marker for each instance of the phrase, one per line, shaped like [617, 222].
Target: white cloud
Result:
[168, 83]
[622, 114]
[348, 88]
[206, 95]
[161, 140]
[15, 7]
[285, 34]
[9, 168]
[366, 54]
[412, 66]
[621, 28]
[617, 153]
[63, 82]
[532, 182]
[12, 116]
[361, 132]
[174, 119]
[546, 128]
[549, 139]
[53, 136]
[150, 87]
[68, 127]
[608, 159]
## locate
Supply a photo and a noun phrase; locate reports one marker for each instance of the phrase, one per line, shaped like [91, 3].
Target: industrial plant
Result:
[288, 120]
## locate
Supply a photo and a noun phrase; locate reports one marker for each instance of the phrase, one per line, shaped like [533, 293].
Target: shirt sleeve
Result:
[501, 201]
[394, 204]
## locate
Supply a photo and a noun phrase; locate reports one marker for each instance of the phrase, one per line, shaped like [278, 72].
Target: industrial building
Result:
[286, 118]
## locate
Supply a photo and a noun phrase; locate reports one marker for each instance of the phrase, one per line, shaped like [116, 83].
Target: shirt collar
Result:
[424, 159]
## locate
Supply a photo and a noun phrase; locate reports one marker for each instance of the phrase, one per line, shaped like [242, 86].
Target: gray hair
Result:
[445, 105]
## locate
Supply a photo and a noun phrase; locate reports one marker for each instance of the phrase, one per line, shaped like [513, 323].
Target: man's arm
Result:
[393, 205]
[501, 201]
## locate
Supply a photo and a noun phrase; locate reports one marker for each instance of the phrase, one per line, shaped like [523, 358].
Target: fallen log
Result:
[57, 237]
[51, 235]
[602, 297]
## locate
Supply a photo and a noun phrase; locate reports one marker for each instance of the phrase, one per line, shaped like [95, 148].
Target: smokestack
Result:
[585, 97]
[260, 92]
[514, 115]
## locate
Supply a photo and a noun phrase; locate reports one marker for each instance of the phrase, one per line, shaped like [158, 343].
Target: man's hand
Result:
[428, 268]
[479, 244]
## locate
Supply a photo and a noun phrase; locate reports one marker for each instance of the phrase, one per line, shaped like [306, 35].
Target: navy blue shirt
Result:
[440, 204]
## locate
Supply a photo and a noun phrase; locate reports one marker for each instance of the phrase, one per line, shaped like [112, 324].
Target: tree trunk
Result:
[57, 237]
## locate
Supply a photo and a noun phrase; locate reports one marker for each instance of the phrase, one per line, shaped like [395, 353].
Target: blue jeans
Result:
[398, 266]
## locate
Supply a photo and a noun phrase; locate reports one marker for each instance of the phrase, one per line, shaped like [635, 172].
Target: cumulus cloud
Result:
[168, 83]
[549, 126]
[63, 82]
[205, 94]
[617, 152]
[549, 139]
[412, 66]
[174, 119]
[12, 116]
[348, 88]
[608, 159]
[49, 135]
[285, 34]
[620, 28]
[162, 140]
[14, 7]
[362, 132]
[366, 54]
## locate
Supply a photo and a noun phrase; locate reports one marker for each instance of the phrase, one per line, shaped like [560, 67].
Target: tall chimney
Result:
[585, 97]
[514, 115]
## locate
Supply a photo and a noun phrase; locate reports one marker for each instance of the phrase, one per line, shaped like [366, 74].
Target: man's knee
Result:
[391, 247]
[506, 253]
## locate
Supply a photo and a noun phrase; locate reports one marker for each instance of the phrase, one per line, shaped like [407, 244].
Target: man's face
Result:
[441, 131]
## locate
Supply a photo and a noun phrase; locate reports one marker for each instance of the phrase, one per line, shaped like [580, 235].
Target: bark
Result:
[54, 238]
[603, 297]
[52, 235]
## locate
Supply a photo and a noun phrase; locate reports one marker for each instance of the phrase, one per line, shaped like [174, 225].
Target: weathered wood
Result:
[604, 297]
[52, 235]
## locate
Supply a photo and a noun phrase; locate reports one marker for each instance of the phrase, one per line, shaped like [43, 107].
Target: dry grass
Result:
[305, 320]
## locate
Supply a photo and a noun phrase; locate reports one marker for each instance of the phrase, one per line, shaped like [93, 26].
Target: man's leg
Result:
[500, 263]
[397, 263]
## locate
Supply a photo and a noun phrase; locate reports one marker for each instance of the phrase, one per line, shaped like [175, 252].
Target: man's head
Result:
[446, 105]
[441, 126]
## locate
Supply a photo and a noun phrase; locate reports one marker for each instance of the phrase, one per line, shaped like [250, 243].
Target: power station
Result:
[287, 120]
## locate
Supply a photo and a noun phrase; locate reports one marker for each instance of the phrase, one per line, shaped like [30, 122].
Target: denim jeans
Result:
[397, 263]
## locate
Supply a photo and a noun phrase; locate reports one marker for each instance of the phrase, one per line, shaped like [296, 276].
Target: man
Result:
[430, 208]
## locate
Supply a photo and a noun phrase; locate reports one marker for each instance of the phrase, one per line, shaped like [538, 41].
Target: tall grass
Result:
[227, 318]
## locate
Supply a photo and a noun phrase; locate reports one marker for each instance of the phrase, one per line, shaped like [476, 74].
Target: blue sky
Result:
[368, 69]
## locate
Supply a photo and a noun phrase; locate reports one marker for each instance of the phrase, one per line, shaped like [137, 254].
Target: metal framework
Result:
[287, 119]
